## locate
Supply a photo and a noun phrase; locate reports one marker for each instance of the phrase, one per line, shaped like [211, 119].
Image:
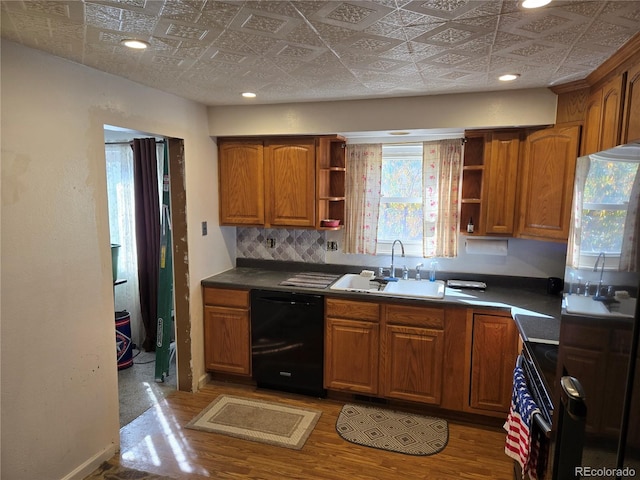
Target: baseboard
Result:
[85, 469]
[203, 380]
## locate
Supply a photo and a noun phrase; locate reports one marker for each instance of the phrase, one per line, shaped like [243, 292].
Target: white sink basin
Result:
[353, 282]
[579, 304]
[414, 288]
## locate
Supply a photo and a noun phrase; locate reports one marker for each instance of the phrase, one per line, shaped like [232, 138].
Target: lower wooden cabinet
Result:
[227, 333]
[413, 353]
[391, 351]
[494, 349]
[449, 357]
[352, 338]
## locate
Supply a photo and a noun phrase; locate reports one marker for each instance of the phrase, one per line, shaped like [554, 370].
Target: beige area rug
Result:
[258, 421]
[391, 430]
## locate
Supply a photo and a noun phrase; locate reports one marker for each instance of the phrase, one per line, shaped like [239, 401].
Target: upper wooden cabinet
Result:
[267, 182]
[519, 185]
[603, 117]
[547, 173]
[501, 174]
[489, 181]
[289, 174]
[631, 115]
[606, 103]
[241, 182]
[281, 181]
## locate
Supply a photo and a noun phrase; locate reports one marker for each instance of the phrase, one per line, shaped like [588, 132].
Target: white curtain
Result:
[630, 254]
[441, 173]
[575, 229]
[363, 181]
[122, 228]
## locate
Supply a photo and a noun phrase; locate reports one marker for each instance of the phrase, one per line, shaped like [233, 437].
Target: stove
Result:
[539, 362]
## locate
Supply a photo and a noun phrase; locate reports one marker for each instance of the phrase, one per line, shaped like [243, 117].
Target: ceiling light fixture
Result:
[249, 95]
[399, 133]
[509, 77]
[535, 3]
[135, 44]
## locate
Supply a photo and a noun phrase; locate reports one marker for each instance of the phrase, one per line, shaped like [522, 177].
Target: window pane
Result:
[609, 185]
[602, 231]
[401, 178]
[609, 182]
[400, 220]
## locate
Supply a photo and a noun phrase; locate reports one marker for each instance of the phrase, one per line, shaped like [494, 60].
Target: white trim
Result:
[91, 464]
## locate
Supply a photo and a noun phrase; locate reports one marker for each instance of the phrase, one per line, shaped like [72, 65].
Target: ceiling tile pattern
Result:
[210, 50]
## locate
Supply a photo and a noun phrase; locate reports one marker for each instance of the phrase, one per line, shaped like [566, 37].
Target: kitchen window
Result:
[406, 191]
[605, 204]
[400, 211]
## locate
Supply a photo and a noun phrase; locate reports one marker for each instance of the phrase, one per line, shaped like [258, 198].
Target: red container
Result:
[124, 345]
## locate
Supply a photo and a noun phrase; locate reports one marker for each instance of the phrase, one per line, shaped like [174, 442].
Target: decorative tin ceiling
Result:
[211, 51]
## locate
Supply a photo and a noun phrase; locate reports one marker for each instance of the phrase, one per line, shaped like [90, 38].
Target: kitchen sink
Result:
[579, 304]
[415, 288]
[353, 282]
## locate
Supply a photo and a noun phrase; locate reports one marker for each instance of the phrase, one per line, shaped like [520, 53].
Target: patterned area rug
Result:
[110, 471]
[391, 430]
[257, 420]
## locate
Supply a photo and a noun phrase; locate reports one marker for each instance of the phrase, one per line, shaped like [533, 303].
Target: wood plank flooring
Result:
[157, 442]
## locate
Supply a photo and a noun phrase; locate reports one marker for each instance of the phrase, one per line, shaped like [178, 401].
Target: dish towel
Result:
[519, 444]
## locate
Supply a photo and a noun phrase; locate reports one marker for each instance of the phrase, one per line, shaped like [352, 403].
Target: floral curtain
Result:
[575, 229]
[441, 173]
[630, 256]
[364, 170]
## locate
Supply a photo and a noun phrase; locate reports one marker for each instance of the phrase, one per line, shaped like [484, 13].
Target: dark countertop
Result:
[537, 314]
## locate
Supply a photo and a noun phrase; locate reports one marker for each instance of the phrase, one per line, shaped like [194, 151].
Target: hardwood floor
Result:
[157, 443]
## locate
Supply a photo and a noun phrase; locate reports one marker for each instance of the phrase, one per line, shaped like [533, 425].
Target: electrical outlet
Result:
[204, 228]
[332, 246]
[271, 242]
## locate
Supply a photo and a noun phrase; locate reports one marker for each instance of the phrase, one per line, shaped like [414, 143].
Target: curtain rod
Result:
[130, 143]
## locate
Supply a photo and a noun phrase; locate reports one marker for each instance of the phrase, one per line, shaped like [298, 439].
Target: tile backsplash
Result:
[281, 244]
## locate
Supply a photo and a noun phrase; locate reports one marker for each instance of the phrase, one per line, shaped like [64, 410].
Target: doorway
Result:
[137, 385]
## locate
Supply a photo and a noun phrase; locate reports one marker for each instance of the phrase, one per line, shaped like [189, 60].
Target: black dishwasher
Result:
[287, 341]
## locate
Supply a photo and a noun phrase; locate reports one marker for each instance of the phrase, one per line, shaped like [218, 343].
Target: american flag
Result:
[519, 444]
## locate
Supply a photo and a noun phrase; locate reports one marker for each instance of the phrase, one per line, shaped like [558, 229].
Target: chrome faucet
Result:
[595, 269]
[418, 267]
[393, 246]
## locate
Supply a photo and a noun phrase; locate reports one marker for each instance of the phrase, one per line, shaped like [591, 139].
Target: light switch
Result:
[204, 228]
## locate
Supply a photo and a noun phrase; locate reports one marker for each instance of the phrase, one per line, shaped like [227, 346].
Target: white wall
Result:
[524, 258]
[509, 108]
[59, 395]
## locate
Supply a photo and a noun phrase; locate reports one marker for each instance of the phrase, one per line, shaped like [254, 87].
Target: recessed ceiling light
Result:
[135, 44]
[508, 77]
[535, 3]
[249, 95]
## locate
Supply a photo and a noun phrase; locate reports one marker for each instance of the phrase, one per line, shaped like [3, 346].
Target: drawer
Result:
[226, 297]
[415, 316]
[352, 309]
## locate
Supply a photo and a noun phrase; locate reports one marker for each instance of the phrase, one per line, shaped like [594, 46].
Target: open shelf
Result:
[331, 178]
